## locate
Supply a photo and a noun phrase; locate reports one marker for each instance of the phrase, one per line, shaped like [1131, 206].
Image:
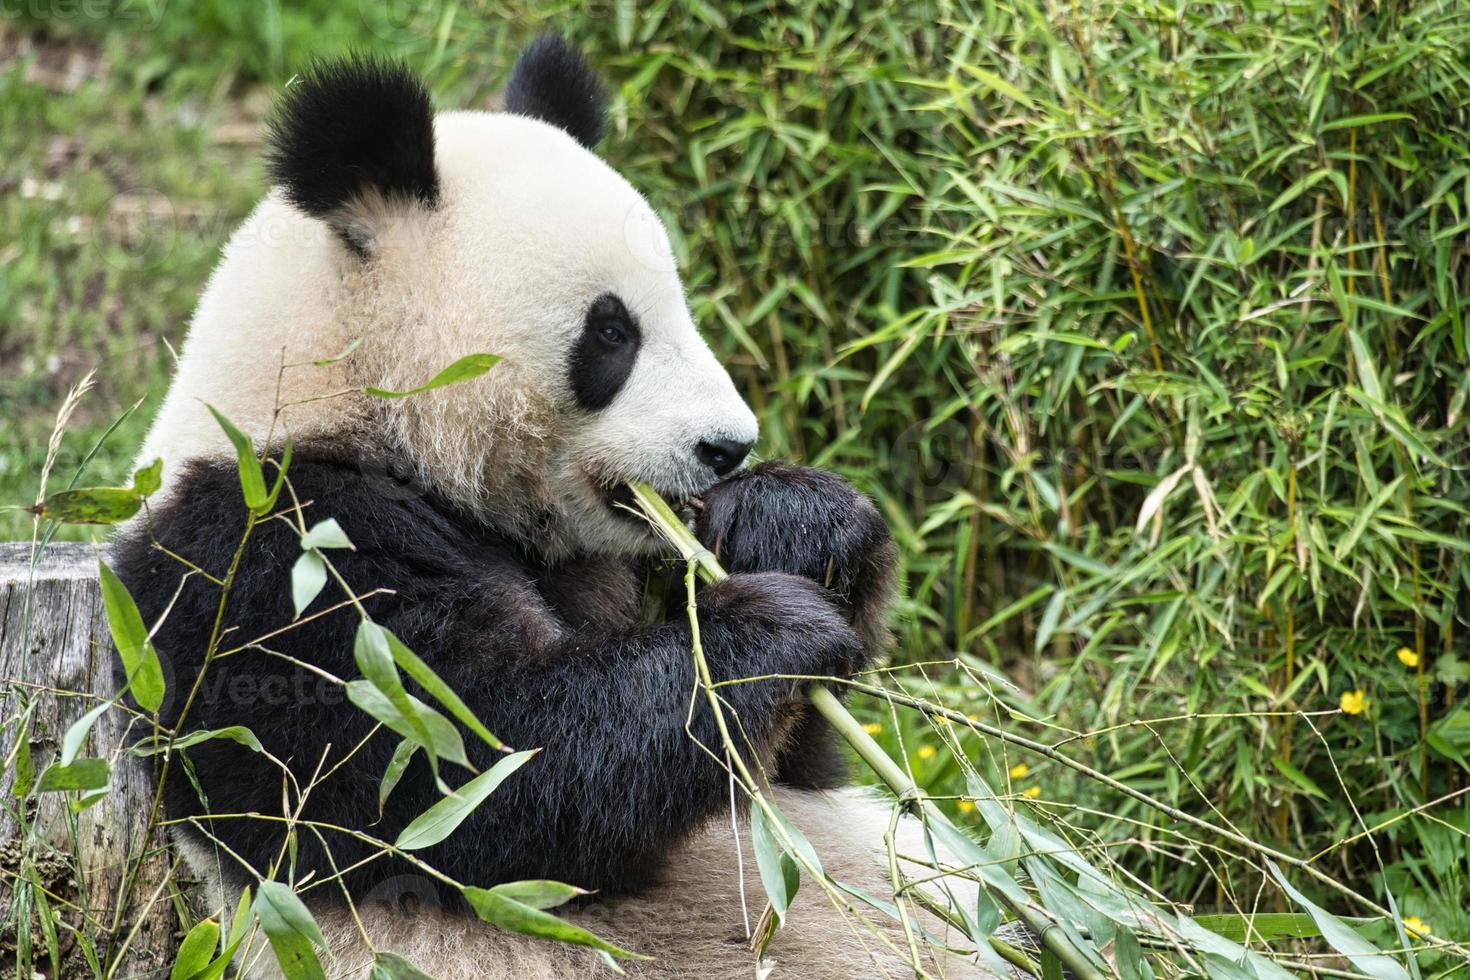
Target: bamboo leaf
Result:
[252, 478]
[83, 774]
[238, 734]
[429, 729]
[391, 966]
[508, 914]
[325, 534]
[539, 894]
[464, 369]
[780, 876]
[440, 820]
[308, 578]
[76, 733]
[393, 773]
[140, 661]
[196, 951]
[414, 666]
[1262, 926]
[291, 931]
[1365, 957]
[90, 505]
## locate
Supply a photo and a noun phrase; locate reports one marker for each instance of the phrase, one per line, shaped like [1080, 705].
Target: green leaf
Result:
[391, 966]
[240, 921]
[1348, 122]
[291, 930]
[149, 479]
[43, 917]
[1051, 965]
[239, 924]
[308, 578]
[1267, 926]
[1364, 956]
[1367, 370]
[152, 745]
[252, 479]
[24, 766]
[539, 894]
[394, 771]
[424, 675]
[508, 914]
[464, 369]
[1450, 736]
[780, 877]
[375, 660]
[140, 660]
[343, 354]
[441, 819]
[90, 505]
[282, 465]
[196, 951]
[445, 738]
[325, 534]
[76, 734]
[1300, 779]
[1218, 967]
[83, 774]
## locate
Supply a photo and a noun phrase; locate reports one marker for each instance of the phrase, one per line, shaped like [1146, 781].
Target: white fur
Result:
[693, 926]
[530, 230]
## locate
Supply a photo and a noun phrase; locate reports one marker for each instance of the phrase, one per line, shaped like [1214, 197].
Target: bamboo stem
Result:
[707, 566]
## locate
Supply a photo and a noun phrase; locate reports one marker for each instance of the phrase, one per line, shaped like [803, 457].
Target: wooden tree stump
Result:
[105, 879]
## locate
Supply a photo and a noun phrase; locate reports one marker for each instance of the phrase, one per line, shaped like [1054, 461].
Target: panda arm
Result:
[618, 779]
[778, 517]
[629, 760]
[807, 522]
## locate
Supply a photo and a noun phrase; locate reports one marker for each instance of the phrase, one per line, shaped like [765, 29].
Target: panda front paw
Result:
[772, 623]
[778, 517]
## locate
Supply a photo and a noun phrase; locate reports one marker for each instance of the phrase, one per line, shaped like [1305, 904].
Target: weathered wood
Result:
[56, 664]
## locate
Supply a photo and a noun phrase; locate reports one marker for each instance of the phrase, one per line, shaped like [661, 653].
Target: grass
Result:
[1143, 324]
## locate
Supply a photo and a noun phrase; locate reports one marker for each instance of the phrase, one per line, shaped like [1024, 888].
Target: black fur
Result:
[777, 517]
[551, 82]
[350, 126]
[603, 356]
[547, 656]
[807, 522]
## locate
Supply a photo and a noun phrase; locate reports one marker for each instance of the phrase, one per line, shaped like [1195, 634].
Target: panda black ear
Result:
[552, 82]
[350, 130]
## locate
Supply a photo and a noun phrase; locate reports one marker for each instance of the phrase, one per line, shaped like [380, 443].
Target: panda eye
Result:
[612, 333]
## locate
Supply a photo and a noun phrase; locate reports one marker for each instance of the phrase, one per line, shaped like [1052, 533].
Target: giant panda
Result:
[489, 532]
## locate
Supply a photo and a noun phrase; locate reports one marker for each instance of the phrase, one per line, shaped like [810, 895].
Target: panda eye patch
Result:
[602, 356]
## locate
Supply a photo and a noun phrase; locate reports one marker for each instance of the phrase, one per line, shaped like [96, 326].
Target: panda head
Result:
[503, 232]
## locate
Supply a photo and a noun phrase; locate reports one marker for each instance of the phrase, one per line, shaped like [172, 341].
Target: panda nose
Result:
[722, 455]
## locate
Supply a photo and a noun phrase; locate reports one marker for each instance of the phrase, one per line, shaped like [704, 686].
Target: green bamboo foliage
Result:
[1142, 322]
[1144, 325]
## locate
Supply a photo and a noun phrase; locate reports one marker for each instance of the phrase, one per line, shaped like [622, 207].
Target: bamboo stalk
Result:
[708, 568]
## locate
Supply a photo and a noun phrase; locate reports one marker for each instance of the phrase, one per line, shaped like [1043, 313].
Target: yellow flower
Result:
[1408, 657]
[941, 720]
[926, 752]
[1019, 770]
[872, 728]
[966, 806]
[1417, 927]
[1031, 792]
[973, 717]
[1354, 702]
